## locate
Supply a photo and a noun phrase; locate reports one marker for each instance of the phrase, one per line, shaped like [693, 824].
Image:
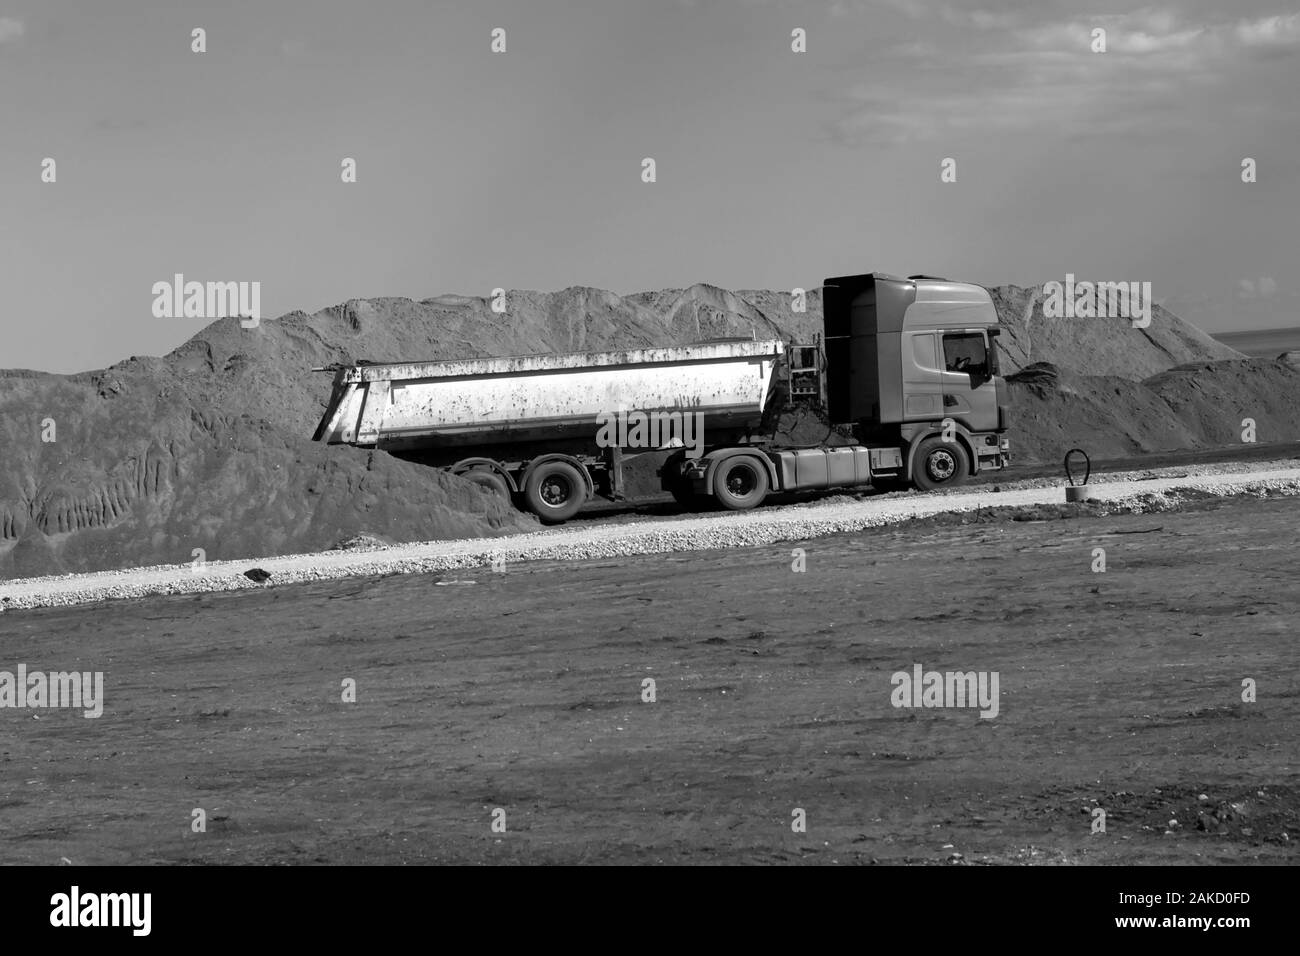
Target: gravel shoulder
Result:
[595, 540]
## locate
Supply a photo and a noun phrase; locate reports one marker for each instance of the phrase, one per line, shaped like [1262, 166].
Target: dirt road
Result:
[523, 691]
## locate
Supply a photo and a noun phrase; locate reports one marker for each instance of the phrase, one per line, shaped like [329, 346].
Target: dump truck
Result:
[905, 372]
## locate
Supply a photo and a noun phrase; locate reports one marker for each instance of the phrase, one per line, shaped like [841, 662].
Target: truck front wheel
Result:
[740, 483]
[939, 464]
[555, 491]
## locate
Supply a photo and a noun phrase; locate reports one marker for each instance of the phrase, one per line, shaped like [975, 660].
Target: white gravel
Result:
[762, 526]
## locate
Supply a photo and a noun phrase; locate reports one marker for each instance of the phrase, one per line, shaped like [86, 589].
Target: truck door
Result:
[969, 390]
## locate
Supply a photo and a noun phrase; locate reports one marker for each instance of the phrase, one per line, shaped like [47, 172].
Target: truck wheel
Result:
[939, 464]
[490, 480]
[555, 491]
[740, 483]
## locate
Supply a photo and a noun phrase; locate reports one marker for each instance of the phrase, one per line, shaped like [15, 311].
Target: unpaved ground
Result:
[522, 690]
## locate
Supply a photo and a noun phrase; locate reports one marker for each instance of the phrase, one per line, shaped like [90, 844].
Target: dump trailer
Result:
[906, 372]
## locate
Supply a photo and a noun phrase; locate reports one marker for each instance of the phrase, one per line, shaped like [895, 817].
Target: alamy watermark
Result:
[208, 300]
[75, 908]
[922, 688]
[652, 430]
[1098, 300]
[36, 689]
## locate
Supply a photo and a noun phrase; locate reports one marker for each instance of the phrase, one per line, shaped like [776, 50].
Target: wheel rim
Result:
[941, 464]
[555, 490]
[741, 481]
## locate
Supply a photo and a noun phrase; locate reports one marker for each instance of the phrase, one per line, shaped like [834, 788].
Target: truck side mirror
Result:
[991, 356]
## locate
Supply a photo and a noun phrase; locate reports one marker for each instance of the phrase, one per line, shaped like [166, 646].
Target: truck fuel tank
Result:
[806, 468]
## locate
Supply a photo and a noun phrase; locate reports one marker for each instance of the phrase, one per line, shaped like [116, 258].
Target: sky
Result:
[523, 169]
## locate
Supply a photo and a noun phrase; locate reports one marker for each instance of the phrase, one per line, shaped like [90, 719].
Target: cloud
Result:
[10, 29]
[1270, 32]
[1000, 71]
[1264, 288]
[1141, 32]
[926, 10]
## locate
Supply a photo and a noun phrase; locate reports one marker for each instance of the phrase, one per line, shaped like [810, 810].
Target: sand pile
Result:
[208, 447]
[1109, 346]
[143, 470]
[1190, 406]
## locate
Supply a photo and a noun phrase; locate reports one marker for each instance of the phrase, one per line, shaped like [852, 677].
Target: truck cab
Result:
[914, 362]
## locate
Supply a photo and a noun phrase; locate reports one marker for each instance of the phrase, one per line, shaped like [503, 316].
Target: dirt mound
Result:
[1109, 346]
[138, 474]
[208, 448]
[1191, 406]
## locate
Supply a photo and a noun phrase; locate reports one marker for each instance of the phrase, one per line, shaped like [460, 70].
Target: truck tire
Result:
[939, 464]
[740, 483]
[490, 480]
[554, 491]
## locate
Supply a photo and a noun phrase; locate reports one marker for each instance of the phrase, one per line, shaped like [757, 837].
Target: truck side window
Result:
[964, 352]
[923, 350]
